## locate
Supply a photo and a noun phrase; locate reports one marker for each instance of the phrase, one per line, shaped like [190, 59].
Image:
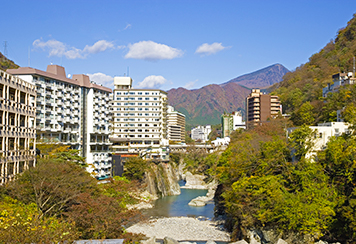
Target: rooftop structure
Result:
[17, 126]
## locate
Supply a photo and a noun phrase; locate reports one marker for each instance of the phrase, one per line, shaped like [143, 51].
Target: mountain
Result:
[205, 105]
[262, 78]
[7, 63]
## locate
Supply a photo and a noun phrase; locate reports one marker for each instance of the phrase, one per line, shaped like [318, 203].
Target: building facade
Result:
[322, 134]
[260, 107]
[231, 122]
[176, 125]
[339, 80]
[201, 133]
[72, 112]
[17, 126]
[139, 121]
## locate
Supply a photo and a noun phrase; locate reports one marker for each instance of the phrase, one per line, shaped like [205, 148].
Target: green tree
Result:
[301, 141]
[135, 168]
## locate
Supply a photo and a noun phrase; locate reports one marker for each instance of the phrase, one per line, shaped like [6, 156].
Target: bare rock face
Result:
[194, 181]
[162, 180]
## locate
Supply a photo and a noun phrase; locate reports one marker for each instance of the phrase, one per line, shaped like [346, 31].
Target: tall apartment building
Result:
[72, 112]
[139, 121]
[176, 125]
[231, 122]
[17, 126]
[260, 107]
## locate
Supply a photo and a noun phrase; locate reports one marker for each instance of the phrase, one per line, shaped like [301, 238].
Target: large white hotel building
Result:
[72, 112]
[139, 121]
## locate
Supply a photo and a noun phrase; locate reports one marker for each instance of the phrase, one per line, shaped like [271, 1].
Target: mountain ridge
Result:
[205, 105]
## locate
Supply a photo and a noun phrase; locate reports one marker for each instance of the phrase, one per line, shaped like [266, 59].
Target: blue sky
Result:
[169, 44]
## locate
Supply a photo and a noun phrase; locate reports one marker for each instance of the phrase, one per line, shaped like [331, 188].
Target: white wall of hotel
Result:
[322, 135]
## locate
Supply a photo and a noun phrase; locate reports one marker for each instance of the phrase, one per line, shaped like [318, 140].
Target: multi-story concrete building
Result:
[201, 133]
[17, 126]
[322, 134]
[73, 112]
[139, 121]
[339, 80]
[231, 122]
[176, 125]
[260, 107]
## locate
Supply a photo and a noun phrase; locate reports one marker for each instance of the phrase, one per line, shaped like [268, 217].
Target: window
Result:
[140, 93]
[139, 108]
[131, 93]
[126, 98]
[147, 93]
[118, 93]
[147, 98]
[155, 98]
[118, 98]
[147, 104]
[140, 98]
[118, 104]
[146, 109]
[139, 103]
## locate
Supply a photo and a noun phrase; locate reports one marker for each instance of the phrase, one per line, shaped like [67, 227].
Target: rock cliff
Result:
[162, 180]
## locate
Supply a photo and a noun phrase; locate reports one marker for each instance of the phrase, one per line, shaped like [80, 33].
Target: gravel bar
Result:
[180, 229]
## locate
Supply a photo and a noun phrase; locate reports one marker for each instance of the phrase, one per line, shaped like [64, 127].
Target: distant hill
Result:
[6, 63]
[205, 105]
[262, 78]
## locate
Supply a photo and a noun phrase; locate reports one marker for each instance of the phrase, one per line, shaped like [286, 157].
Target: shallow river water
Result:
[176, 206]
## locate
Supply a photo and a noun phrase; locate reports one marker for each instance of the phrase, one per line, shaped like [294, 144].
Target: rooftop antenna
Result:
[128, 69]
[5, 48]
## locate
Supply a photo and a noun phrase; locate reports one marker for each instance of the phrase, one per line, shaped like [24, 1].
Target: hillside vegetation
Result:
[6, 63]
[301, 91]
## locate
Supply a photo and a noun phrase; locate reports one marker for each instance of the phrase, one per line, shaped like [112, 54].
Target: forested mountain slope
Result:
[301, 90]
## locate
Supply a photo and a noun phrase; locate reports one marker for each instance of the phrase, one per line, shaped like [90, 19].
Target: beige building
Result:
[176, 125]
[260, 107]
[17, 126]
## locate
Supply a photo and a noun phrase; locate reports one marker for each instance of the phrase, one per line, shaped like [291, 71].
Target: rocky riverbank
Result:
[181, 229]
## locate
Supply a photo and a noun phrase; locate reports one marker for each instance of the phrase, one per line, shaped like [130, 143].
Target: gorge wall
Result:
[162, 179]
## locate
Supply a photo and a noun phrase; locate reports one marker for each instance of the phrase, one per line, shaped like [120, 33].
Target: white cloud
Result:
[208, 49]
[152, 81]
[59, 49]
[190, 85]
[103, 79]
[149, 50]
[99, 46]
[128, 26]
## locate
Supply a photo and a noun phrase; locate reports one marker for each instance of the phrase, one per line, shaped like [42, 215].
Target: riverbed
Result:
[172, 217]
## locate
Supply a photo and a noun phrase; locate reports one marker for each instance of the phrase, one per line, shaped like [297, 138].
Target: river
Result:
[177, 206]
